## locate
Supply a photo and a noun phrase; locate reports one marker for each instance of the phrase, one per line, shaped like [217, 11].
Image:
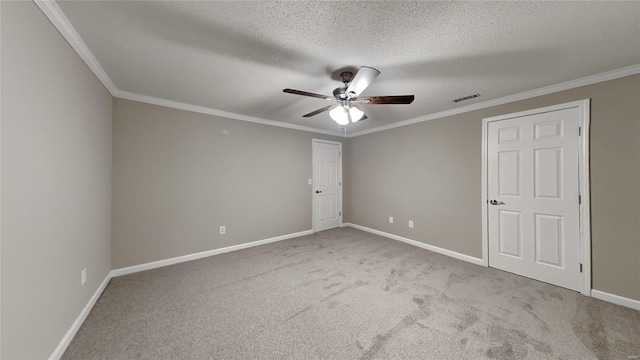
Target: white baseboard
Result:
[203, 254]
[616, 299]
[601, 295]
[66, 339]
[419, 244]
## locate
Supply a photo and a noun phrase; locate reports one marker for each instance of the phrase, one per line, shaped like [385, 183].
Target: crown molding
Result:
[225, 114]
[53, 12]
[589, 80]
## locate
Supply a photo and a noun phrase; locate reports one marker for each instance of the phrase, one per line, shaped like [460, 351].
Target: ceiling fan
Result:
[344, 109]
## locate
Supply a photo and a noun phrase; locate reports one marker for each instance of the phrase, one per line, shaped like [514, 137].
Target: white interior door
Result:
[533, 210]
[327, 183]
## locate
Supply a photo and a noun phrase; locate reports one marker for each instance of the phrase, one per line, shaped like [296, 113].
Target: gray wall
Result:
[177, 178]
[430, 173]
[56, 183]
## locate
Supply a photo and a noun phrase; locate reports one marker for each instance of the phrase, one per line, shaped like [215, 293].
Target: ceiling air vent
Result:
[466, 97]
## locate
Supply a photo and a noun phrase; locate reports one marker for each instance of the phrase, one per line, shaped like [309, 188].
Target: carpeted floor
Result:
[347, 294]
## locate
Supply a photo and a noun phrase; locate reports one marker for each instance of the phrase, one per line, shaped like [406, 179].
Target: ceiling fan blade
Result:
[306, 93]
[396, 99]
[362, 80]
[320, 110]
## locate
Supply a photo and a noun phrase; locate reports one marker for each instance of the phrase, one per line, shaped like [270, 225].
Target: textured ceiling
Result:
[238, 56]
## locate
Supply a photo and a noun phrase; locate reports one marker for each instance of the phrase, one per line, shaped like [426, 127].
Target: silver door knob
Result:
[496, 202]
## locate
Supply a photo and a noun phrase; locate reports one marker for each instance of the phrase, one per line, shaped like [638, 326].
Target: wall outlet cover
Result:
[83, 276]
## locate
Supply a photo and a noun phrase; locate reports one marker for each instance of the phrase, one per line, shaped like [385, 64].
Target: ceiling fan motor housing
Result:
[346, 77]
[340, 93]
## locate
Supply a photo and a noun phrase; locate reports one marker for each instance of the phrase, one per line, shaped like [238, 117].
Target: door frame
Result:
[314, 141]
[583, 182]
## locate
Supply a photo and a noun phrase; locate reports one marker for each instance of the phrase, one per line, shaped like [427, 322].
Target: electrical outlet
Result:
[390, 219]
[83, 276]
[223, 230]
[411, 224]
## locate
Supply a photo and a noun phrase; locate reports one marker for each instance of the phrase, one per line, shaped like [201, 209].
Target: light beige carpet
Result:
[347, 294]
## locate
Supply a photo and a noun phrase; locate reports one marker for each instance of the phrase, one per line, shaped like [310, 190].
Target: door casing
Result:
[313, 179]
[583, 180]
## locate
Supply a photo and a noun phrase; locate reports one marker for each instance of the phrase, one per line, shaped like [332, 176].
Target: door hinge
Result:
[579, 130]
[580, 267]
[339, 183]
[340, 213]
[339, 153]
[579, 199]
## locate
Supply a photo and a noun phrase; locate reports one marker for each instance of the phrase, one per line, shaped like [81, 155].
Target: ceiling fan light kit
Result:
[344, 111]
[342, 114]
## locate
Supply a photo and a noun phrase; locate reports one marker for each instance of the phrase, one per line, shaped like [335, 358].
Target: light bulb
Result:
[356, 114]
[339, 115]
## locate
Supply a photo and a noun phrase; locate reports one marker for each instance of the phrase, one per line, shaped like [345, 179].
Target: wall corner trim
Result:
[57, 17]
[53, 12]
[203, 254]
[221, 113]
[60, 21]
[616, 299]
[567, 85]
[419, 244]
[66, 339]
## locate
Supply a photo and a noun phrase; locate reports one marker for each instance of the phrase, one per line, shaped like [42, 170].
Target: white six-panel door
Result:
[533, 210]
[327, 182]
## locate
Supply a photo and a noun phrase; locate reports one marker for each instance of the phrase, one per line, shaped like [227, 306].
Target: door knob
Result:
[318, 192]
[496, 202]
